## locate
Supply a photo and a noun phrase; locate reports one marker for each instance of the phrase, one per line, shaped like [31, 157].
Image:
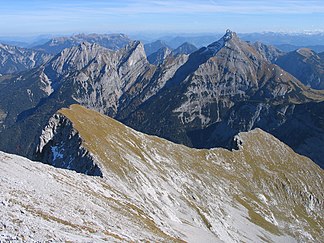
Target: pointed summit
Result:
[228, 35]
[216, 46]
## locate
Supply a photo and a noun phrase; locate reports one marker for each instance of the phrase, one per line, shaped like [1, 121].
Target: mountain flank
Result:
[170, 191]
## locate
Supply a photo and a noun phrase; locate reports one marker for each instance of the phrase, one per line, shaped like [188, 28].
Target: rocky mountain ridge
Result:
[260, 192]
[110, 41]
[159, 56]
[306, 65]
[201, 100]
[15, 59]
[185, 48]
[226, 87]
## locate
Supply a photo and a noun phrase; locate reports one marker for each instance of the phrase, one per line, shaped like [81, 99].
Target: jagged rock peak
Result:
[134, 47]
[77, 57]
[86, 45]
[217, 45]
[134, 44]
[228, 35]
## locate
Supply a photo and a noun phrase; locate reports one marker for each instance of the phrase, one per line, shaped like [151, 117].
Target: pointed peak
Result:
[84, 45]
[132, 46]
[228, 35]
[214, 47]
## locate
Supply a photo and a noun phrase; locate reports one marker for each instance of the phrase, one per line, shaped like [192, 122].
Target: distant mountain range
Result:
[110, 41]
[278, 39]
[201, 100]
[237, 128]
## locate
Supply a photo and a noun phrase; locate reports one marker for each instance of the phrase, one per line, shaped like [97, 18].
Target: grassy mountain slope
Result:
[261, 192]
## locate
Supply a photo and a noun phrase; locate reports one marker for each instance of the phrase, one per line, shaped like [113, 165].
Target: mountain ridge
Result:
[262, 183]
[16, 59]
[224, 88]
[110, 41]
[308, 66]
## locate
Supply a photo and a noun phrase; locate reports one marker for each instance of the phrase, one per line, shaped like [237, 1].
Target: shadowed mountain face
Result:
[200, 100]
[185, 48]
[159, 56]
[306, 65]
[153, 47]
[152, 189]
[268, 52]
[15, 59]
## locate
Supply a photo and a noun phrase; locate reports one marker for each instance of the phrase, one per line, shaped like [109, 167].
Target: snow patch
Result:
[57, 152]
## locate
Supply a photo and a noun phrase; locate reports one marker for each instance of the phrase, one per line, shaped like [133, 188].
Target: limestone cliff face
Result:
[87, 74]
[105, 78]
[61, 146]
[263, 191]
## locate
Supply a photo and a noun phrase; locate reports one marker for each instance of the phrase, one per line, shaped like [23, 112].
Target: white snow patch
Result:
[56, 151]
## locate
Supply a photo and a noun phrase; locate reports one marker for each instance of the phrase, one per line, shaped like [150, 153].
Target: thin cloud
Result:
[189, 15]
[215, 6]
[179, 7]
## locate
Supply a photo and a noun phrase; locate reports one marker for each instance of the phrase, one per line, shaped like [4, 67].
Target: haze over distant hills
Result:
[286, 41]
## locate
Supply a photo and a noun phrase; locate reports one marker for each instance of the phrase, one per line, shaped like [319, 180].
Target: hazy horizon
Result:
[36, 17]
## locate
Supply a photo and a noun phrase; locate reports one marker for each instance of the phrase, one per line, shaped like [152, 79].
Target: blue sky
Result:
[33, 17]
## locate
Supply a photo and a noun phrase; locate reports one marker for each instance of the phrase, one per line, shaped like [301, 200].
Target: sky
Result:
[36, 17]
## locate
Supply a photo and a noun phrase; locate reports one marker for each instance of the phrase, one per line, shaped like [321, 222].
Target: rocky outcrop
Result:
[60, 145]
